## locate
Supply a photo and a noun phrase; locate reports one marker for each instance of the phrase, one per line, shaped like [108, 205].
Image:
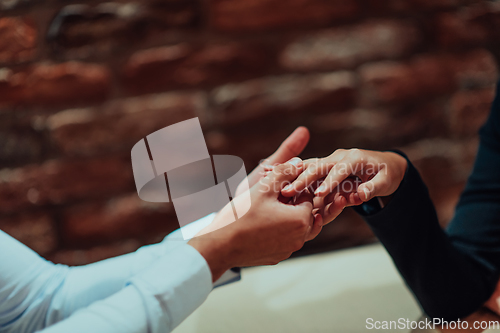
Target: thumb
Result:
[292, 146]
[283, 175]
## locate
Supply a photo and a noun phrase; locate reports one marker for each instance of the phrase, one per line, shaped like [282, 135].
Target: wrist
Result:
[396, 165]
[401, 164]
[215, 250]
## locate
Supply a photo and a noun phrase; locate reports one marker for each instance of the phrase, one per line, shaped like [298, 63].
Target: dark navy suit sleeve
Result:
[452, 273]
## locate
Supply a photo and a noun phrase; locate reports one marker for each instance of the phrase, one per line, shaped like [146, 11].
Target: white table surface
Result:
[329, 292]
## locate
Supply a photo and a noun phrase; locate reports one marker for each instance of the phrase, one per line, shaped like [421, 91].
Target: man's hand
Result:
[293, 145]
[349, 177]
[268, 233]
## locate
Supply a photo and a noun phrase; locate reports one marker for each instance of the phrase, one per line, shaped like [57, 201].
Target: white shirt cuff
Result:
[173, 287]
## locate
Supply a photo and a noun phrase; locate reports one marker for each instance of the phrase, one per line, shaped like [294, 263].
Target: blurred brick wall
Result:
[81, 82]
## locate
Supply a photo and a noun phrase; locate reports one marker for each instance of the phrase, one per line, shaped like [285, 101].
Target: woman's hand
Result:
[347, 178]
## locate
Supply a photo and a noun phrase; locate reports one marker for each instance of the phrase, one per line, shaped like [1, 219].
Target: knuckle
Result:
[280, 168]
[302, 224]
[357, 155]
[355, 152]
[311, 161]
[305, 220]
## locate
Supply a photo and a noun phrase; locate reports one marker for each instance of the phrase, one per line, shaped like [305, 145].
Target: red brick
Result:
[251, 15]
[18, 39]
[11, 4]
[251, 142]
[284, 95]
[474, 69]
[118, 125]
[441, 162]
[434, 74]
[388, 83]
[454, 30]
[36, 230]
[70, 83]
[97, 253]
[120, 218]
[444, 166]
[60, 181]
[350, 128]
[112, 27]
[398, 7]
[469, 111]
[183, 65]
[426, 76]
[474, 25]
[348, 47]
[378, 128]
[435, 4]
[19, 145]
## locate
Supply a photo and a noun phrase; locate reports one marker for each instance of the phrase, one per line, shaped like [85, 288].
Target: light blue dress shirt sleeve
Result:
[150, 290]
[156, 300]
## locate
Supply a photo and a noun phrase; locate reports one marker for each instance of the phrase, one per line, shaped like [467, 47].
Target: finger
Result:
[337, 174]
[353, 199]
[321, 202]
[349, 190]
[377, 186]
[285, 200]
[293, 145]
[332, 210]
[304, 196]
[316, 227]
[304, 205]
[310, 161]
[312, 174]
[282, 175]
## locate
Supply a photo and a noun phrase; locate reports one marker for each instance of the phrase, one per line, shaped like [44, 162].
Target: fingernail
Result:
[286, 188]
[320, 189]
[327, 209]
[318, 219]
[296, 161]
[367, 192]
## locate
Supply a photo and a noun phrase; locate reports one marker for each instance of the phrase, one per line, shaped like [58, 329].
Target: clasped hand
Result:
[291, 200]
[347, 178]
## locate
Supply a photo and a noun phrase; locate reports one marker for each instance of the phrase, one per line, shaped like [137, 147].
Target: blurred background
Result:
[82, 81]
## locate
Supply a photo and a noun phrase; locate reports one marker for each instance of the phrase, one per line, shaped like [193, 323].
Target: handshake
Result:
[292, 200]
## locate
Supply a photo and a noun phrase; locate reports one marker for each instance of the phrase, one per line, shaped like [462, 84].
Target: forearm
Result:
[214, 253]
[447, 282]
[122, 312]
[87, 284]
[155, 300]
